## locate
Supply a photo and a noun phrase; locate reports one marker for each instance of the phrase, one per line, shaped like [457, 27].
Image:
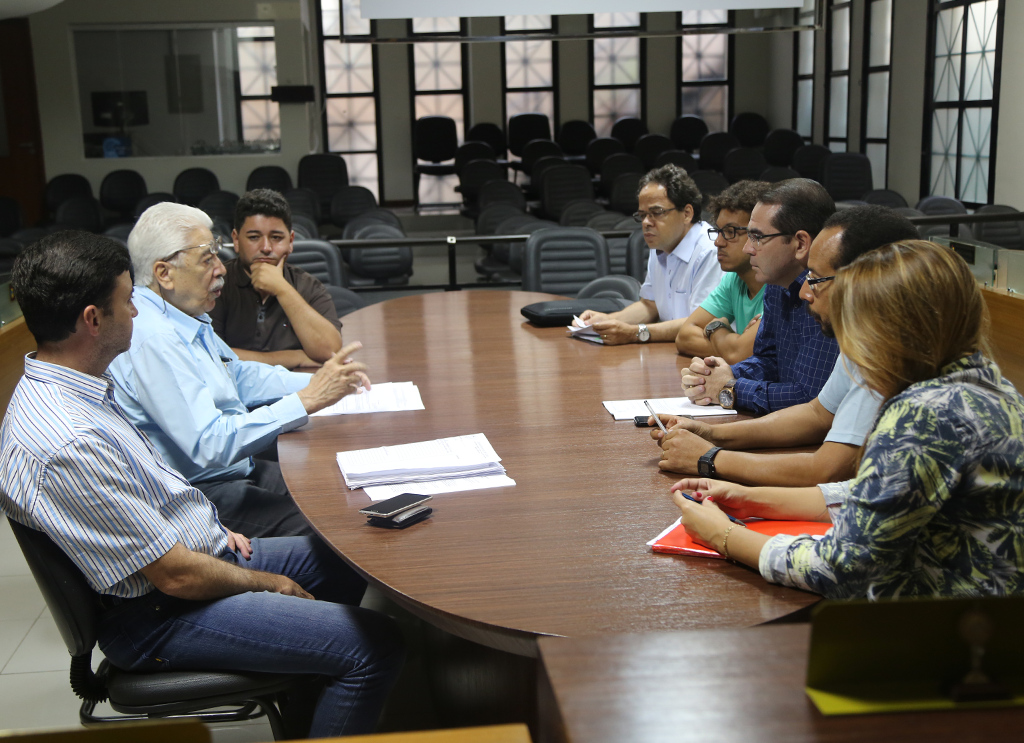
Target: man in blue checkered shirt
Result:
[792, 358]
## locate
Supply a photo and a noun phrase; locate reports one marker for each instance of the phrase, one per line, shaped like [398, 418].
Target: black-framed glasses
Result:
[758, 239]
[730, 233]
[655, 213]
[813, 283]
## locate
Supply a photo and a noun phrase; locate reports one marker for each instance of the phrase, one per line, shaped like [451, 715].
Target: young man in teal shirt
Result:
[726, 322]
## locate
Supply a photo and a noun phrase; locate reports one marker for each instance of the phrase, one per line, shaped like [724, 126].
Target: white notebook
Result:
[627, 410]
[383, 397]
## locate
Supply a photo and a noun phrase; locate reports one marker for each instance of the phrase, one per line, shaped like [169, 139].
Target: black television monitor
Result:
[119, 108]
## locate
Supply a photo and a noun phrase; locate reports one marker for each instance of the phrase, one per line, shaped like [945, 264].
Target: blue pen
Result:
[731, 518]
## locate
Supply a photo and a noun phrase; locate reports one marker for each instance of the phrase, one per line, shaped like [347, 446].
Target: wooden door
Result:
[22, 175]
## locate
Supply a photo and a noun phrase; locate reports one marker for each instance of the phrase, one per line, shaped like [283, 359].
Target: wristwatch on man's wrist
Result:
[727, 397]
[643, 334]
[706, 464]
[712, 326]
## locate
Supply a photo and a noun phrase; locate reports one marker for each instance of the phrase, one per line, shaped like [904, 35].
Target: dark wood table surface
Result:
[722, 686]
[563, 552]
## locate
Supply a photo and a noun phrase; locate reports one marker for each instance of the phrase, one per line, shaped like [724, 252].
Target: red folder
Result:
[675, 540]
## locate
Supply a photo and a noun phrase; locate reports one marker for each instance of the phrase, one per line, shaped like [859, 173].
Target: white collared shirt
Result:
[679, 281]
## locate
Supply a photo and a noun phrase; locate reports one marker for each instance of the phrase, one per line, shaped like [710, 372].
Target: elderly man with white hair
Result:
[191, 394]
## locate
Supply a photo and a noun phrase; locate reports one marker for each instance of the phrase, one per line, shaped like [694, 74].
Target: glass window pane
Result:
[980, 50]
[841, 39]
[616, 61]
[438, 66]
[257, 67]
[351, 124]
[527, 22]
[362, 171]
[974, 160]
[877, 154]
[616, 20]
[943, 172]
[704, 17]
[261, 121]
[449, 105]
[348, 68]
[330, 17]
[704, 57]
[610, 105]
[804, 107]
[838, 105]
[354, 23]
[837, 146]
[254, 32]
[710, 102]
[451, 24]
[948, 39]
[539, 101]
[878, 105]
[805, 64]
[881, 33]
[528, 64]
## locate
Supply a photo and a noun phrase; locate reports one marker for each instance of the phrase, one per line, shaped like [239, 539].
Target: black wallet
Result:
[561, 311]
[401, 520]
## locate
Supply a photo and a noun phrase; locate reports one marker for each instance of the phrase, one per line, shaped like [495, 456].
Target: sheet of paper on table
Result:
[627, 410]
[382, 397]
[441, 459]
[456, 485]
[584, 332]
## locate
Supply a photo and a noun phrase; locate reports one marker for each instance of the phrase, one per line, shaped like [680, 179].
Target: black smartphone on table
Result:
[386, 509]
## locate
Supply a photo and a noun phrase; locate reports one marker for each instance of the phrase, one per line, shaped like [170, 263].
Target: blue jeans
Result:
[360, 651]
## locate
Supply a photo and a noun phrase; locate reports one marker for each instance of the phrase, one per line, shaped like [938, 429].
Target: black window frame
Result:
[799, 18]
[553, 88]
[830, 74]
[730, 66]
[642, 86]
[866, 71]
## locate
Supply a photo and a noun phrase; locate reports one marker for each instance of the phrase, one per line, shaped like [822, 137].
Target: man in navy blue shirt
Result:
[792, 358]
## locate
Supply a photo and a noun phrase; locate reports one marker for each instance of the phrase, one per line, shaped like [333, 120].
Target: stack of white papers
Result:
[456, 485]
[383, 397]
[584, 332]
[627, 410]
[426, 461]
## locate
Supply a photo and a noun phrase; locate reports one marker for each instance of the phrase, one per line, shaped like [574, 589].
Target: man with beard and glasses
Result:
[842, 414]
[206, 411]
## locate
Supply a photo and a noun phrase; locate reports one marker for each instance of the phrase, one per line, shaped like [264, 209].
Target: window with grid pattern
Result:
[617, 72]
[875, 88]
[837, 74]
[704, 68]
[803, 77]
[530, 68]
[259, 117]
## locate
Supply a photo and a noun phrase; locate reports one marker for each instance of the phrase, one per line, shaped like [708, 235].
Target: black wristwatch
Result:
[712, 326]
[706, 464]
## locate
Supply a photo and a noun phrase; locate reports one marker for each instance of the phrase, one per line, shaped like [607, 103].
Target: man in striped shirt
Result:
[179, 590]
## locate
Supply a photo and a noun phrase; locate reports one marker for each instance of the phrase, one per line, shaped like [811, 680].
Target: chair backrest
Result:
[614, 287]
[751, 129]
[847, 175]
[307, 201]
[377, 216]
[563, 185]
[119, 231]
[71, 601]
[10, 216]
[535, 149]
[493, 215]
[885, 197]
[9, 250]
[628, 130]
[776, 173]
[304, 227]
[220, 204]
[624, 195]
[512, 253]
[64, 186]
[687, 132]
[501, 192]
[121, 190]
[637, 253]
[542, 166]
[615, 165]
[325, 175]
[80, 213]
[676, 157]
[604, 222]
[435, 139]
[523, 128]
[151, 199]
[713, 149]
[809, 161]
[350, 202]
[193, 184]
[1004, 234]
[562, 260]
[578, 213]
[475, 174]
[28, 235]
[273, 177]
[381, 263]
[779, 146]
[743, 164]
[345, 300]
[649, 146]
[575, 135]
[473, 151]
[319, 259]
[600, 149]
[492, 134]
[935, 205]
[710, 183]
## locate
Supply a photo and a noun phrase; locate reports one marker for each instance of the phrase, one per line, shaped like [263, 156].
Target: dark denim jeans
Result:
[360, 651]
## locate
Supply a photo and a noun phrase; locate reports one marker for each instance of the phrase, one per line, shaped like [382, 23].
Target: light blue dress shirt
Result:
[851, 402]
[189, 392]
[679, 281]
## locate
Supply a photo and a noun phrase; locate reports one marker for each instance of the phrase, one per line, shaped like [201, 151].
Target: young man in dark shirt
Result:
[269, 311]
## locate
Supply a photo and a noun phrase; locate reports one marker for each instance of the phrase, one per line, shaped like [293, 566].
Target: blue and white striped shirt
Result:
[74, 467]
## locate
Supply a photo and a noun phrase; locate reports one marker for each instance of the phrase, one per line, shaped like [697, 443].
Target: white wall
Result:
[906, 112]
[1010, 144]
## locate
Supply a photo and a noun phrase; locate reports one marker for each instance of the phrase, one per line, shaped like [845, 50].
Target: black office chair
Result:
[751, 129]
[498, 219]
[563, 260]
[687, 132]
[538, 171]
[376, 216]
[80, 213]
[28, 235]
[387, 265]
[809, 161]
[350, 202]
[9, 250]
[523, 128]
[709, 183]
[534, 150]
[677, 157]
[606, 221]
[777, 173]
[152, 199]
[1004, 234]
[76, 611]
[63, 187]
[469, 151]
[345, 300]
[615, 286]
[885, 197]
[599, 150]
[847, 175]
[713, 149]
[10, 216]
[613, 167]
[493, 215]
[320, 259]
[220, 205]
[637, 254]
[624, 196]
[512, 253]
[578, 213]
[743, 164]
[119, 232]
[307, 201]
[492, 134]
[325, 175]
[121, 190]
[779, 146]
[473, 177]
[573, 138]
[193, 184]
[563, 185]
[435, 141]
[273, 177]
[628, 130]
[650, 146]
[304, 227]
[936, 205]
[501, 192]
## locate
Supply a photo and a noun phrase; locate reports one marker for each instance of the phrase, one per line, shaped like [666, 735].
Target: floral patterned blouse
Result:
[937, 506]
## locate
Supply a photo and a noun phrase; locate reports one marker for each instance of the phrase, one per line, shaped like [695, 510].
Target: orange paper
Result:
[678, 542]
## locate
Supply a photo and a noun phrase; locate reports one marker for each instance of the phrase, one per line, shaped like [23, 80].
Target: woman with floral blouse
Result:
[937, 506]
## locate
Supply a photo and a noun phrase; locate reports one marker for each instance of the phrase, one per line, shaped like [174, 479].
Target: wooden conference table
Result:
[563, 552]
